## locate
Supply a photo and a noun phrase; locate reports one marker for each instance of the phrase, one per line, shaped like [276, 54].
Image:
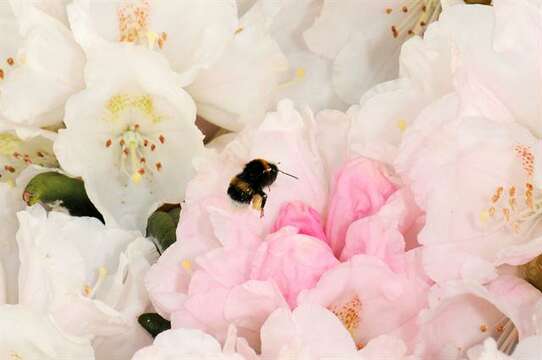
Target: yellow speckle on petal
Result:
[484, 216]
[136, 178]
[186, 265]
[402, 125]
[300, 73]
[102, 272]
[15, 356]
[152, 38]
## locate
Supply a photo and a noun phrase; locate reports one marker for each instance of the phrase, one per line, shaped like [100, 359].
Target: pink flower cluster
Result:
[343, 236]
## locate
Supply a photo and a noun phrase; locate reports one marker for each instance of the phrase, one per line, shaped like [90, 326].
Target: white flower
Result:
[426, 74]
[40, 65]
[232, 68]
[88, 277]
[190, 34]
[26, 334]
[20, 160]
[364, 37]
[185, 344]
[130, 135]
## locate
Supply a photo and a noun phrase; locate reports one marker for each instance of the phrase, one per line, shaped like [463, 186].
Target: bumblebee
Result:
[247, 186]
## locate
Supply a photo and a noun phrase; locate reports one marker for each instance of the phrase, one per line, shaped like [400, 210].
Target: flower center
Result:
[520, 216]
[133, 19]
[417, 14]
[136, 148]
[16, 154]
[349, 313]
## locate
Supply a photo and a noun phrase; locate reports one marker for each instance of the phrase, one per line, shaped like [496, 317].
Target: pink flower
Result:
[229, 266]
[371, 299]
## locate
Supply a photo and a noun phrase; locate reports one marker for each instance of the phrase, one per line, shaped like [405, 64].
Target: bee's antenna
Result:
[285, 173]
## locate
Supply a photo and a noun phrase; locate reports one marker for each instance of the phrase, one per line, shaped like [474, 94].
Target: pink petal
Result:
[293, 261]
[360, 189]
[301, 216]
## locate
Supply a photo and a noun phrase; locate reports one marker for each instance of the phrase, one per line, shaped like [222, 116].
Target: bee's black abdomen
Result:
[240, 191]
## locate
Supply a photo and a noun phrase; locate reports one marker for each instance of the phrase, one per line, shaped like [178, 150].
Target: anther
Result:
[108, 143]
[394, 31]
[10, 61]
[162, 139]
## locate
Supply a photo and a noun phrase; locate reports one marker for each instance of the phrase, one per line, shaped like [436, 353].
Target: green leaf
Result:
[162, 227]
[53, 189]
[479, 2]
[154, 323]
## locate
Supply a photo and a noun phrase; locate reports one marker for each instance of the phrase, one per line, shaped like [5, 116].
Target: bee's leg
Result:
[264, 200]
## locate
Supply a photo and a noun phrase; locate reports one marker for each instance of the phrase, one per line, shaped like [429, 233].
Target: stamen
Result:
[420, 13]
[508, 338]
[89, 291]
[299, 75]
[10, 61]
[187, 265]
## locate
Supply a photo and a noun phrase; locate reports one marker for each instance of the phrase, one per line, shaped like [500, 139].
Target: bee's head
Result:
[260, 172]
[269, 174]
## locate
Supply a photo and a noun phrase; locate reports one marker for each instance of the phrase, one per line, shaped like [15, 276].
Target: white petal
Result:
[240, 87]
[365, 60]
[36, 87]
[179, 344]
[30, 335]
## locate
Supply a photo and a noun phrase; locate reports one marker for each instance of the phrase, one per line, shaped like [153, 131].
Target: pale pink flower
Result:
[371, 299]
[471, 176]
[230, 266]
[463, 314]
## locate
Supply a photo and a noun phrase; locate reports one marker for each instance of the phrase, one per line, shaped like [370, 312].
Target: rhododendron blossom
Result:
[247, 267]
